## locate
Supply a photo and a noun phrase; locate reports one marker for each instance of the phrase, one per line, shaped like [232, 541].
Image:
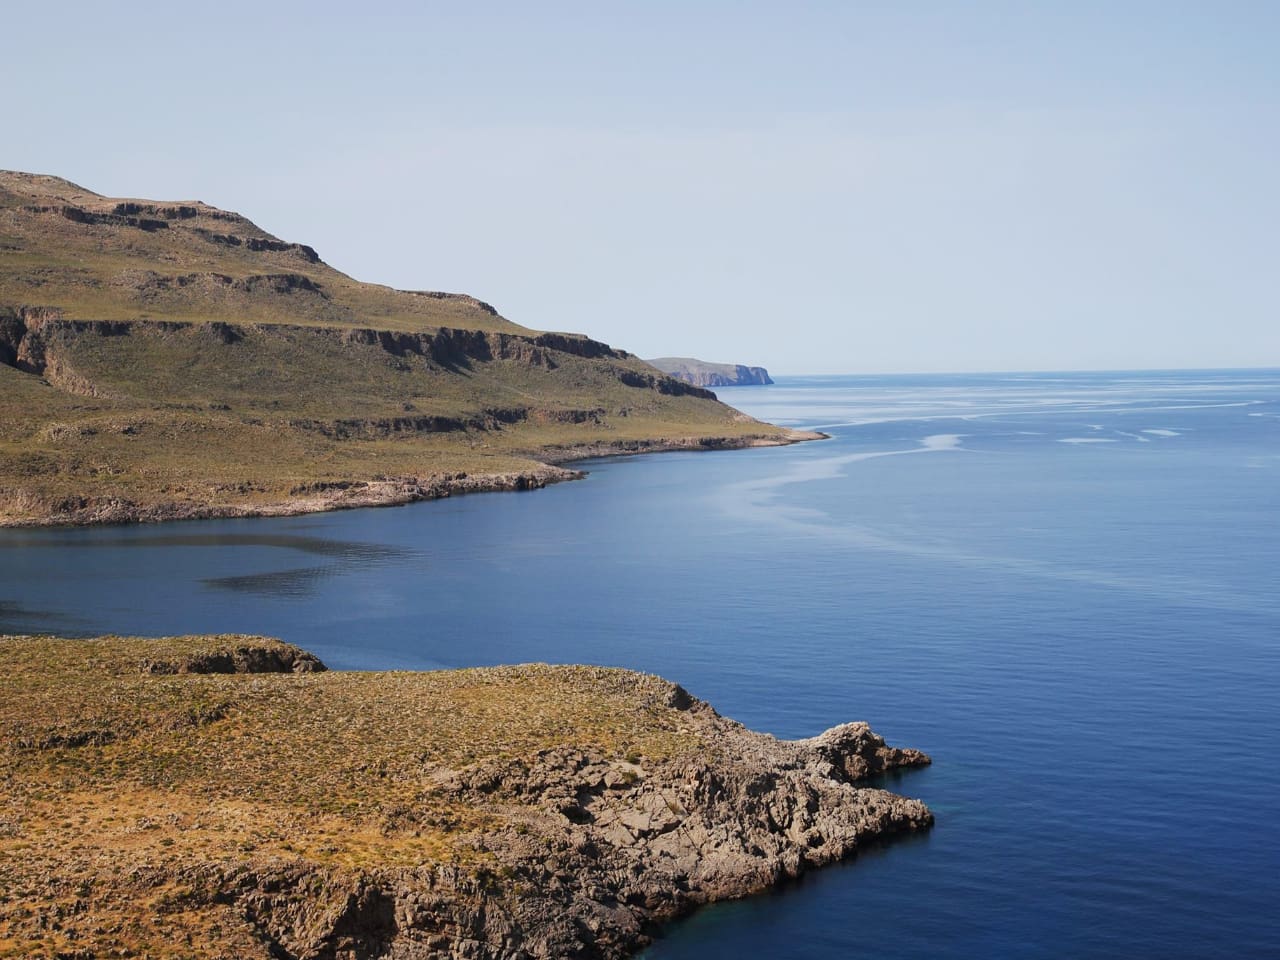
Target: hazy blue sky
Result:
[817, 187]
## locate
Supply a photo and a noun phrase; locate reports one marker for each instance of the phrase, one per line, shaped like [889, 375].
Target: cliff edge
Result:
[700, 373]
[225, 797]
[169, 359]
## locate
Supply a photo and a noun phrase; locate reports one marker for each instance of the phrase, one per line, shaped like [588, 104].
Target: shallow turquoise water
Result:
[1062, 586]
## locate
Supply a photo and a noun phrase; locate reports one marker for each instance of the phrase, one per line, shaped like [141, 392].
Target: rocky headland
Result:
[227, 797]
[170, 360]
[700, 373]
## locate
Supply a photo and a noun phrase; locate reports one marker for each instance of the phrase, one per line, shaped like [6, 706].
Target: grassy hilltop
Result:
[164, 360]
[105, 258]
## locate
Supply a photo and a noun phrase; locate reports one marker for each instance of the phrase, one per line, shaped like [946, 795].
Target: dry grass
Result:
[114, 782]
[178, 415]
[113, 271]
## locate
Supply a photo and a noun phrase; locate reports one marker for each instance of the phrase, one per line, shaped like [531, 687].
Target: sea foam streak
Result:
[875, 415]
[758, 499]
[762, 501]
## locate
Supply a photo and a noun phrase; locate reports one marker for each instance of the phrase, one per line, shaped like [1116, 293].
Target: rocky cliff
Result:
[163, 360]
[223, 797]
[704, 374]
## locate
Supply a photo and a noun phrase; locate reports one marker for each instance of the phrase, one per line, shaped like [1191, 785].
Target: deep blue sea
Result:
[1062, 586]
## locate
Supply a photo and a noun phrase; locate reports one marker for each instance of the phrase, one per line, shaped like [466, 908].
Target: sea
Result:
[1062, 586]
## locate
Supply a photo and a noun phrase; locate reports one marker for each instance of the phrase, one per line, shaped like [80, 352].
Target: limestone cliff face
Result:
[703, 374]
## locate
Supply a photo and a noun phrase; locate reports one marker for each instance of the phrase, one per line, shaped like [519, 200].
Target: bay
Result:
[1062, 586]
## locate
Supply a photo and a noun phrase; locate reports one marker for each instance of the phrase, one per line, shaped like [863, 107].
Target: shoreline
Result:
[327, 496]
[626, 448]
[604, 805]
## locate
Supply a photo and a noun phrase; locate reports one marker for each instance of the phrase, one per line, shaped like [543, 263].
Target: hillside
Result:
[107, 258]
[703, 374]
[225, 797]
[170, 359]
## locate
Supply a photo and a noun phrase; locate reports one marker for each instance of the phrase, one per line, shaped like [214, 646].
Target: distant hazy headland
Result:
[704, 374]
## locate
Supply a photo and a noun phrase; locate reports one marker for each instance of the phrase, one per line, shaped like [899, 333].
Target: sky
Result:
[835, 187]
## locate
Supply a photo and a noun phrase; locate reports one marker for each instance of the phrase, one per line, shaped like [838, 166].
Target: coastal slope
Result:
[163, 360]
[226, 797]
[700, 373]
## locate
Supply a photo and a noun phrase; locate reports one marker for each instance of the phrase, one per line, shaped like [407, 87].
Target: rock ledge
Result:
[230, 799]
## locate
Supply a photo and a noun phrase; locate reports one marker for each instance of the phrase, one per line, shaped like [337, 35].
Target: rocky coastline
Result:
[226, 797]
[315, 497]
[323, 496]
[171, 361]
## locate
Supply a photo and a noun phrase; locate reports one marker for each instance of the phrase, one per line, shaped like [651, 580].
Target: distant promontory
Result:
[703, 374]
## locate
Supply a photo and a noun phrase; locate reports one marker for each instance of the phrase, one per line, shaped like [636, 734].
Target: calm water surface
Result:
[1062, 586]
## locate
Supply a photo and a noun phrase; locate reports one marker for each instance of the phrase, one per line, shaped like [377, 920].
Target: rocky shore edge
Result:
[324, 496]
[622, 448]
[497, 813]
[597, 854]
[646, 844]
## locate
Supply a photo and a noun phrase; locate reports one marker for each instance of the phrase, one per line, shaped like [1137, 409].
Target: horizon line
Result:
[1032, 372]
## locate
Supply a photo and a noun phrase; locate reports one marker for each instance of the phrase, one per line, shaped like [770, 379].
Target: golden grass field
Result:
[121, 788]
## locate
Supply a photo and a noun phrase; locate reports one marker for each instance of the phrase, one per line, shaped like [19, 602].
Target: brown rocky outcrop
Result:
[602, 850]
[503, 813]
[255, 657]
